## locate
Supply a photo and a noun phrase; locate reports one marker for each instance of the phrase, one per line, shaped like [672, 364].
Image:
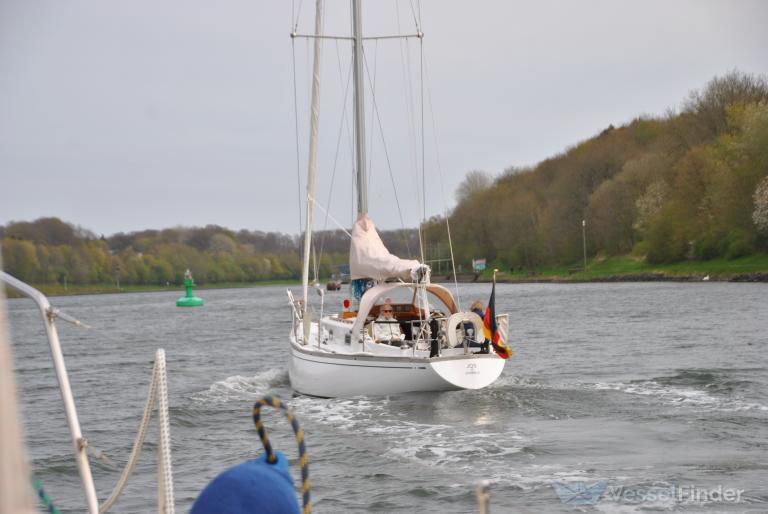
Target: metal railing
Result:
[158, 388]
[79, 443]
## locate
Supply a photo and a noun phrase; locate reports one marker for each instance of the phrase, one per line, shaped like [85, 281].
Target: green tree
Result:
[20, 259]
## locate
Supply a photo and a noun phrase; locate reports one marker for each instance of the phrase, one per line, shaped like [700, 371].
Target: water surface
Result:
[633, 387]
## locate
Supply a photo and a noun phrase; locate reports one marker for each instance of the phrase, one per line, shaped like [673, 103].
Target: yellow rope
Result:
[277, 403]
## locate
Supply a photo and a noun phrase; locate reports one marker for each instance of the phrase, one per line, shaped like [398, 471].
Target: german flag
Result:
[491, 329]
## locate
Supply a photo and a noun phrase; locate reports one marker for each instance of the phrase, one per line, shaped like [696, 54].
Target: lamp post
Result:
[584, 241]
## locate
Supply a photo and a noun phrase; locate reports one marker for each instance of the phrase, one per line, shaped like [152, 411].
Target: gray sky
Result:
[121, 116]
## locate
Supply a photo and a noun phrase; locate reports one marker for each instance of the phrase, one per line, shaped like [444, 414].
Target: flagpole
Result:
[489, 324]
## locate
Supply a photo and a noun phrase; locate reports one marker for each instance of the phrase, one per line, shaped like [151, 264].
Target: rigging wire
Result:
[313, 251]
[339, 225]
[297, 14]
[442, 188]
[371, 131]
[405, 65]
[425, 80]
[416, 21]
[384, 145]
[296, 123]
[338, 144]
[309, 71]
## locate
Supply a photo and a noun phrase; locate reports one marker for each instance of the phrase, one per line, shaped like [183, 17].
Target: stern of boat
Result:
[469, 373]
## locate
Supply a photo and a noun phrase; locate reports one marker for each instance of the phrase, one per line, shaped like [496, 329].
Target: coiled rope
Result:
[277, 403]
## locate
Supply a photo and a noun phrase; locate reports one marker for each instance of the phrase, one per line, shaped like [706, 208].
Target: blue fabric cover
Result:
[360, 286]
[250, 487]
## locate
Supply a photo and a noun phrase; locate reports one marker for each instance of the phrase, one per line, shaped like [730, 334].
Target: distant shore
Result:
[74, 290]
[631, 277]
[641, 277]
[613, 269]
[628, 269]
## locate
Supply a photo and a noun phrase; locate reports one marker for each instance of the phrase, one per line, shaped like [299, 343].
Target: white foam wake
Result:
[454, 446]
[238, 387]
[682, 396]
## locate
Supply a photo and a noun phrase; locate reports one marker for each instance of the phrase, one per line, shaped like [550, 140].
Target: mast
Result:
[312, 164]
[357, 55]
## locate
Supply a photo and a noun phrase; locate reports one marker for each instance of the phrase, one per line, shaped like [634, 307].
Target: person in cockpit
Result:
[386, 329]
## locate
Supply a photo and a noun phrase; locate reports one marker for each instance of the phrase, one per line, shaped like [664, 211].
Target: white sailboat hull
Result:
[328, 375]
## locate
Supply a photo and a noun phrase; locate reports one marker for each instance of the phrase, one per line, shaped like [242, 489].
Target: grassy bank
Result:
[632, 268]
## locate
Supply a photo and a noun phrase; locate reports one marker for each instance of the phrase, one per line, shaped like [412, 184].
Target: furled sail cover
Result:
[369, 258]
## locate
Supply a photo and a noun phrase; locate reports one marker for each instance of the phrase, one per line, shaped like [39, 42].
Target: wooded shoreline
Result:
[678, 197]
[576, 277]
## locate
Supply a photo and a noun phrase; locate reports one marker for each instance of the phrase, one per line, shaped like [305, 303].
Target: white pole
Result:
[78, 441]
[312, 166]
[320, 319]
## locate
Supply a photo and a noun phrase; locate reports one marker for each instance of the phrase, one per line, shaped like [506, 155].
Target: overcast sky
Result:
[126, 115]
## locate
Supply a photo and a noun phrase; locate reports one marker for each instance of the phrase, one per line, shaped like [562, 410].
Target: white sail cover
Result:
[369, 258]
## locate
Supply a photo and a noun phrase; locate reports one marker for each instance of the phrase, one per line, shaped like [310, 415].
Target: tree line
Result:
[51, 251]
[687, 185]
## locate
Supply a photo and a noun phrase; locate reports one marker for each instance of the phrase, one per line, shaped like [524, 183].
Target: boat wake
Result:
[451, 447]
[702, 389]
[435, 446]
[690, 389]
[518, 381]
[343, 414]
[238, 387]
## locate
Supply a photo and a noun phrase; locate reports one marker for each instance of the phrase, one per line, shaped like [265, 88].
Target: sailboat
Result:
[343, 354]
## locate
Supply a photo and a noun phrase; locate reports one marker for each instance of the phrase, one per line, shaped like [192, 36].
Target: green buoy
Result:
[189, 300]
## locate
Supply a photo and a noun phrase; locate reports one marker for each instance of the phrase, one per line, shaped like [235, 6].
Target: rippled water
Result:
[640, 385]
